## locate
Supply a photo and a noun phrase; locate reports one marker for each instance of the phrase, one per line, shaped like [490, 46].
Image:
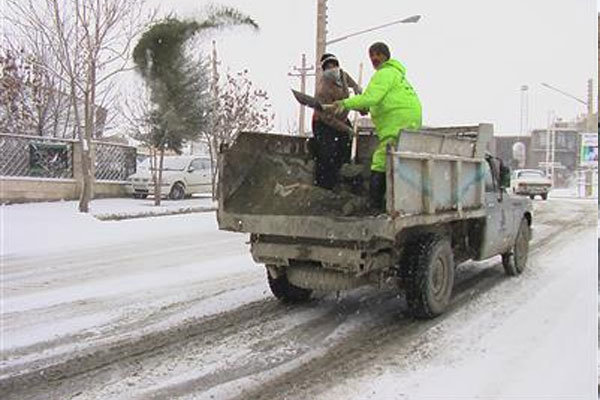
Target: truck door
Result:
[496, 234]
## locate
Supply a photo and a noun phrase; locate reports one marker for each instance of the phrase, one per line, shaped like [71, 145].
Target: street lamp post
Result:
[322, 42]
[524, 109]
[590, 121]
[590, 125]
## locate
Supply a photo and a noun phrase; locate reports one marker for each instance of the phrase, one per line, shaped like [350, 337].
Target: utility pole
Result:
[550, 163]
[321, 36]
[590, 122]
[302, 73]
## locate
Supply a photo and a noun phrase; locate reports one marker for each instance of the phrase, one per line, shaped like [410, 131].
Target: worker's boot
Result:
[377, 192]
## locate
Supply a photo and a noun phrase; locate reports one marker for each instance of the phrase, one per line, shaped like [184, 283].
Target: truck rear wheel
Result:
[285, 292]
[429, 275]
[515, 260]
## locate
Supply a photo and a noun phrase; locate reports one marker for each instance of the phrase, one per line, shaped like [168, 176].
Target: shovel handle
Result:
[354, 147]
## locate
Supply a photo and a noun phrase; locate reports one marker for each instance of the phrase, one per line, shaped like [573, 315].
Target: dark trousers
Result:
[331, 150]
[377, 186]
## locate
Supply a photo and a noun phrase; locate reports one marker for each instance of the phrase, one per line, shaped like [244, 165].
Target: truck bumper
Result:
[358, 261]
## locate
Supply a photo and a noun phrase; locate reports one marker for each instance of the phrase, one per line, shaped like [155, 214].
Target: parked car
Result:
[530, 182]
[182, 176]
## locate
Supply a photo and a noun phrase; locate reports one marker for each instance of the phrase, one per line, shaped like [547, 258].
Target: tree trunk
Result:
[86, 159]
[214, 164]
[158, 185]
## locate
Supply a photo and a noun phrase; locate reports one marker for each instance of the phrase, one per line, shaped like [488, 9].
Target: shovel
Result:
[307, 100]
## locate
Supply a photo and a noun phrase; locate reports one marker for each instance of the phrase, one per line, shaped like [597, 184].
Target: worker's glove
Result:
[334, 108]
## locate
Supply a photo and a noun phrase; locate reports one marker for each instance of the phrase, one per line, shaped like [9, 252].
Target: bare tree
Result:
[90, 41]
[32, 100]
[238, 106]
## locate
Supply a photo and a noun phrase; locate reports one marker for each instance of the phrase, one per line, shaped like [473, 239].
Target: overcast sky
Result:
[467, 59]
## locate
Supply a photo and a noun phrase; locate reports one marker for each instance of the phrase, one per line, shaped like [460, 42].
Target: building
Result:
[567, 143]
[513, 150]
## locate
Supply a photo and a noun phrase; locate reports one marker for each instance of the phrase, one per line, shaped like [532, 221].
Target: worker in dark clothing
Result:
[331, 132]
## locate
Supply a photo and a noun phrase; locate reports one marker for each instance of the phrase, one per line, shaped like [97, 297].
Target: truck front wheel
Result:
[429, 275]
[515, 260]
[285, 292]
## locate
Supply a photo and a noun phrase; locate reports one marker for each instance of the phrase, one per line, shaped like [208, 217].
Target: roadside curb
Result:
[150, 214]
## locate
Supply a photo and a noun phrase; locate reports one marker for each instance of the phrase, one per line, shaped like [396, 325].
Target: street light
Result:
[410, 20]
[564, 93]
[590, 124]
[322, 41]
[524, 109]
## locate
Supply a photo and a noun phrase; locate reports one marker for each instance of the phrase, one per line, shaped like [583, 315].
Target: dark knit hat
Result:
[328, 57]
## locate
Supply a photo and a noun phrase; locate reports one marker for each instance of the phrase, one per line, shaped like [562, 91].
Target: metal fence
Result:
[36, 156]
[41, 157]
[114, 162]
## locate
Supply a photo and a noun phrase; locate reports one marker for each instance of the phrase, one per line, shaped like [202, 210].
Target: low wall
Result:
[35, 168]
[24, 189]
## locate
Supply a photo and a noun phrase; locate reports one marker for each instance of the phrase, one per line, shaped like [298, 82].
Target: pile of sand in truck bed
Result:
[273, 188]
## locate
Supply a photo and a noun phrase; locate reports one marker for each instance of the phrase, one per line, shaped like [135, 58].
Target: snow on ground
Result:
[73, 285]
[128, 207]
[535, 348]
[65, 273]
[38, 228]
[572, 192]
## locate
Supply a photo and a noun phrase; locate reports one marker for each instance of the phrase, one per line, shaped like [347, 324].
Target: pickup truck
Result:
[446, 203]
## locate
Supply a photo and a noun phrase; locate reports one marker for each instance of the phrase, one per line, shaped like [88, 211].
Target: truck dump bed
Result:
[433, 175]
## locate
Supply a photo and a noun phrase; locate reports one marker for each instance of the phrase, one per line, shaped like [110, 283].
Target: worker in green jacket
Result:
[393, 105]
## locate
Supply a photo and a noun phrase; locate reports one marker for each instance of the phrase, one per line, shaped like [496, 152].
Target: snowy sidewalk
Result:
[119, 209]
[58, 226]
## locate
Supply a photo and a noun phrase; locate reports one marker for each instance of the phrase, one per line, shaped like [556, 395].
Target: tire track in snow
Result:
[342, 358]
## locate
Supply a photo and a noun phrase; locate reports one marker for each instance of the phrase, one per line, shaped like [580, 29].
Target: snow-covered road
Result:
[170, 307]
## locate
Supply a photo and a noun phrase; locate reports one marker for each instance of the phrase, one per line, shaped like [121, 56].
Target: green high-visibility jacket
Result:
[393, 105]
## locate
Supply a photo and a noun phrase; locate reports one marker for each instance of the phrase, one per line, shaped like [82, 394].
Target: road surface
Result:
[182, 312]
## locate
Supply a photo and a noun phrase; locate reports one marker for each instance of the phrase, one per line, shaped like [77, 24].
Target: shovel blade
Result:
[307, 100]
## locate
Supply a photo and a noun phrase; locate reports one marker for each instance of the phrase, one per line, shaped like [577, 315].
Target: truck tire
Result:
[545, 196]
[429, 275]
[515, 260]
[532, 196]
[285, 292]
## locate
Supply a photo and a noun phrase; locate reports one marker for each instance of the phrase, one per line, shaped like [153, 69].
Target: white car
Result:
[182, 176]
[530, 182]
